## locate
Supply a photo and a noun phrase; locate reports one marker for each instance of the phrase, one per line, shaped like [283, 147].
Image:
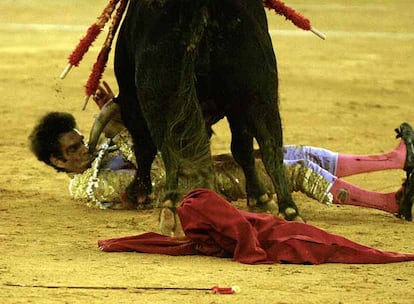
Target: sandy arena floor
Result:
[346, 93]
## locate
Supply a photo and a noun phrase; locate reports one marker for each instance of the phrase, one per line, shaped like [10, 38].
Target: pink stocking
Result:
[345, 193]
[349, 164]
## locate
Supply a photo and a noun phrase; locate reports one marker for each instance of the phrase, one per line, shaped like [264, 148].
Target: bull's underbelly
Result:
[230, 64]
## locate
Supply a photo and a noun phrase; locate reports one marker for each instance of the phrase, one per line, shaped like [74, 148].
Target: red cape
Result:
[214, 227]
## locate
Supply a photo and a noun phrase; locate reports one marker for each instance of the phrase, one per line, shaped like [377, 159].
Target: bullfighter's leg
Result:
[344, 164]
[349, 164]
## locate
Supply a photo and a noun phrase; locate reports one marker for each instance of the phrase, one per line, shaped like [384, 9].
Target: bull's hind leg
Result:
[185, 144]
[165, 79]
[242, 150]
[185, 148]
[268, 133]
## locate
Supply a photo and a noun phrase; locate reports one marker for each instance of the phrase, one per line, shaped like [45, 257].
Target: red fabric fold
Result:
[214, 227]
[149, 242]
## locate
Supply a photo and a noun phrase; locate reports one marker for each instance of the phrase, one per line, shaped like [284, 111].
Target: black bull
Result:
[181, 66]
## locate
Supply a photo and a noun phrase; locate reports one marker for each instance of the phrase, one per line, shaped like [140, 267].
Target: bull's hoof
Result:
[169, 221]
[291, 214]
[135, 204]
[268, 203]
[145, 202]
[126, 203]
[262, 204]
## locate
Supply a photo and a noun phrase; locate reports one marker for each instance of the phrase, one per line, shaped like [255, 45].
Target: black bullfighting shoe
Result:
[407, 134]
[405, 198]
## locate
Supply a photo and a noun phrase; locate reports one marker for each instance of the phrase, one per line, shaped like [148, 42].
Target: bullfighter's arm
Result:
[103, 98]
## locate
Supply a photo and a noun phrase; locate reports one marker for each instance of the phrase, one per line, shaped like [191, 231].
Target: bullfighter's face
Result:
[76, 156]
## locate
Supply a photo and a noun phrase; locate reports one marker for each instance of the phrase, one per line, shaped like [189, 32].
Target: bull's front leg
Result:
[186, 154]
[138, 194]
[140, 190]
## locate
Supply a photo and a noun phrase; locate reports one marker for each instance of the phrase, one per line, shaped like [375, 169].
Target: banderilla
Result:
[214, 289]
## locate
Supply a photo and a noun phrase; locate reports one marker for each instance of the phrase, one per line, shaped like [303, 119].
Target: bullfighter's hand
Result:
[103, 94]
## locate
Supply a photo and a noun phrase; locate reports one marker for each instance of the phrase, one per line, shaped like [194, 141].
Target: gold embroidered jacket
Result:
[105, 188]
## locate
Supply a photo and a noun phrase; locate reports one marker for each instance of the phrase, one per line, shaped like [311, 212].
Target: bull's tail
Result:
[192, 148]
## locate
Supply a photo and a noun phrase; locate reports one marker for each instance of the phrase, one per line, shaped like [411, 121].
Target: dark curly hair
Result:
[44, 139]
